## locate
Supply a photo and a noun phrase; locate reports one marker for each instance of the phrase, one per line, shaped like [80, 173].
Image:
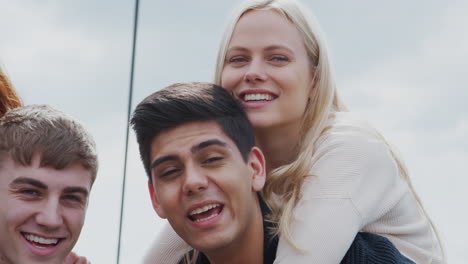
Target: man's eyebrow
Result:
[193, 149]
[76, 189]
[207, 143]
[162, 159]
[30, 181]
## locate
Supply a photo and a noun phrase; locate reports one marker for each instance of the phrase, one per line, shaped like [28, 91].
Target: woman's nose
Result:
[255, 72]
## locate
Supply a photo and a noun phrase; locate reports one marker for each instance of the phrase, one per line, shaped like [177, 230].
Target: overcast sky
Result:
[403, 65]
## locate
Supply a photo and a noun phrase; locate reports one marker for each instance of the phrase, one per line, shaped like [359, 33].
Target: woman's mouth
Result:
[257, 97]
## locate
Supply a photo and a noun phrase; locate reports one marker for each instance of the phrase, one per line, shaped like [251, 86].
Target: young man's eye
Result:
[168, 173]
[30, 192]
[73, 198]
[213, 159]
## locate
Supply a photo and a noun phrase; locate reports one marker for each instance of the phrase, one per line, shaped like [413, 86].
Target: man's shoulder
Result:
[372, 248]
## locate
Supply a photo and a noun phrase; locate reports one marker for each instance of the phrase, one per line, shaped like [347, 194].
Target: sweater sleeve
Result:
[352, 183]
[168, 248]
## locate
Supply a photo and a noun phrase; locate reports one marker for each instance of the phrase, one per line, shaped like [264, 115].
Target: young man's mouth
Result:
[41, 242]
[205, 212]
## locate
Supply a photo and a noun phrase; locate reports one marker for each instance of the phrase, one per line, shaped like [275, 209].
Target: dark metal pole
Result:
[130, 95]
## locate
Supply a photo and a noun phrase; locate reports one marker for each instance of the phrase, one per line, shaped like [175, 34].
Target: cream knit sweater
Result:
[356, 185]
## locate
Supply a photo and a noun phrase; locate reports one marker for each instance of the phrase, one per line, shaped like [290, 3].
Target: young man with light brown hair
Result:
[48, 163]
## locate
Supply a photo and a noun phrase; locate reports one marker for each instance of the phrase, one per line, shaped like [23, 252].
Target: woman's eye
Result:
[238, 60]
[279, 59]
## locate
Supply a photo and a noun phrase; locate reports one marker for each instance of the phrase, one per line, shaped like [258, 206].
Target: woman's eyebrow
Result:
[278, 46]
[269, 48]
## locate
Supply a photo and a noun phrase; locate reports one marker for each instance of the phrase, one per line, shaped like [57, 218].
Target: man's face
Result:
[202, 185]
[42, 211]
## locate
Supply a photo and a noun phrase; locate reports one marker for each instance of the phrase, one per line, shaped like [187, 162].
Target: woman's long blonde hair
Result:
[8, 97]
[286, 181]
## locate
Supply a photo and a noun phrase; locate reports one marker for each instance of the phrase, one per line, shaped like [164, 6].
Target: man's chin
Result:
[211, 244]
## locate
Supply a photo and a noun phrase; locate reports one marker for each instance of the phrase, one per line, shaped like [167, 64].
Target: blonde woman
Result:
[330, 175]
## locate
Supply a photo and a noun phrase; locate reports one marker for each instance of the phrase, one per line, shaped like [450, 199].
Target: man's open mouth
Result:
[205, 212]
[41, 242]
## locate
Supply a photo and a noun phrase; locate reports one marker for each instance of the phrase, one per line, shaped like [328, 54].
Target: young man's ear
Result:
[257, 165]
[155, 201]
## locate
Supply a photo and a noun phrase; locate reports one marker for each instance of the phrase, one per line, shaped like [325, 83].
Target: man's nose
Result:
[50, 214]
[195, 181]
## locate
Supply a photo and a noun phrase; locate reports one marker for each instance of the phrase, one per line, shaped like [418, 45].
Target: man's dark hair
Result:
[182, 103]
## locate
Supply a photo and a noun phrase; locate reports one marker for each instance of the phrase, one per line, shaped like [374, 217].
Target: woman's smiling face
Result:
[268, 69]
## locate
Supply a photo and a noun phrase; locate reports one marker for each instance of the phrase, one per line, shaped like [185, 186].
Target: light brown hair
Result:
[60, 140]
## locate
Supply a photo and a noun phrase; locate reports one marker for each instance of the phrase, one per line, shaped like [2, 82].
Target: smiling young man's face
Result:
[42, 211]
[203, 186]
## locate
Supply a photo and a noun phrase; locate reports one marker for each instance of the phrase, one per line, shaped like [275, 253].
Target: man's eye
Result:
[30, 192]
[73, 198]
[168, 173]
[213, 159]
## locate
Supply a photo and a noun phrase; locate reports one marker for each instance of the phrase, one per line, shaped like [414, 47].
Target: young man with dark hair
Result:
[48, 163]
[205, 173]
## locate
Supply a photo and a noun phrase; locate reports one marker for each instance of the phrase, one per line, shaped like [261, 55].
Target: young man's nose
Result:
[195, 181]
[50, 214]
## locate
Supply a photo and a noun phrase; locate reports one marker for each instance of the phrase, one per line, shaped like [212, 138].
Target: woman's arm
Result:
[354, 181]
[168, 248]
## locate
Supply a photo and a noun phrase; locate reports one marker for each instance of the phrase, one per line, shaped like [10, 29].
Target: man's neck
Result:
[247, 249]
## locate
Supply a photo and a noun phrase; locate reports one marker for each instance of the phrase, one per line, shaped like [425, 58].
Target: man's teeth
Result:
[41, 240]
[258, 97]
[206, 218]
[204, 209]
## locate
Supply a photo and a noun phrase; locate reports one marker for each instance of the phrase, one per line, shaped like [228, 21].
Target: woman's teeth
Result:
[257, 97]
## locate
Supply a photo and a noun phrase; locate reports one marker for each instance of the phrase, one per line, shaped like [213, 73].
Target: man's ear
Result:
[256, 163]
[155, 201]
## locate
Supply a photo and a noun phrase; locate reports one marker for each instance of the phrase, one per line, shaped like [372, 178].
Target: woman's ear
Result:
[256, 163]
[313, 84]
[155, 201]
